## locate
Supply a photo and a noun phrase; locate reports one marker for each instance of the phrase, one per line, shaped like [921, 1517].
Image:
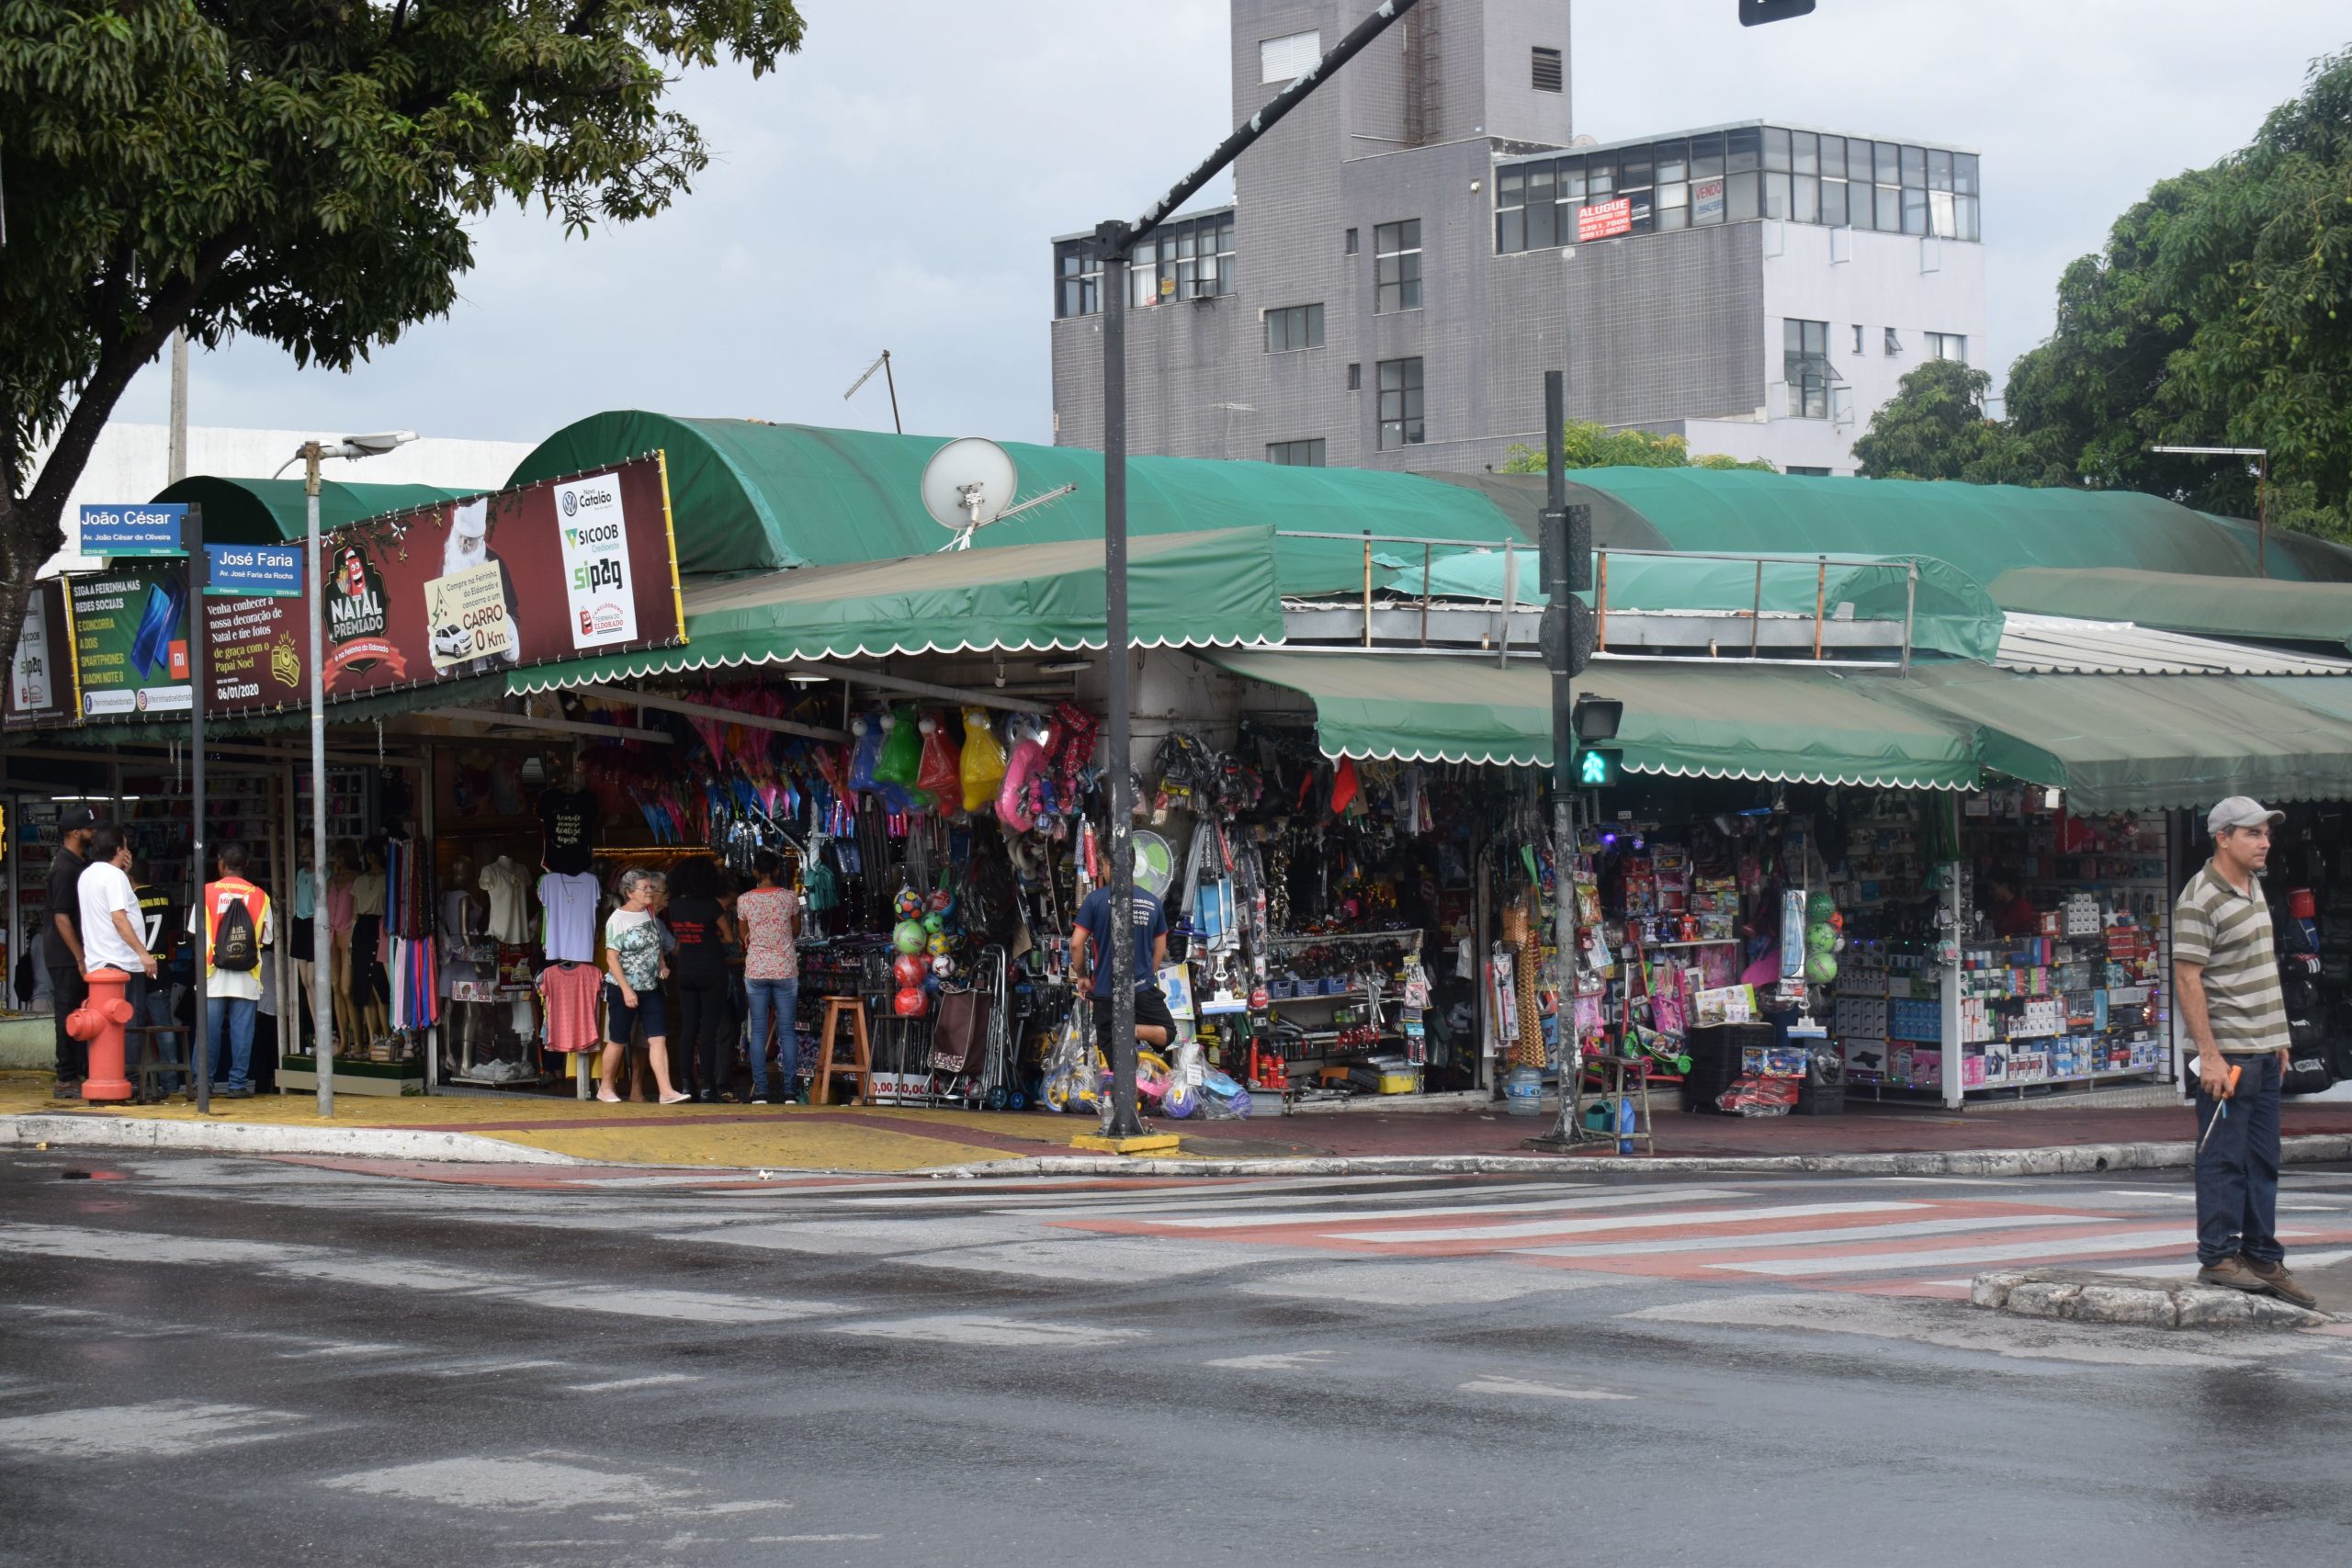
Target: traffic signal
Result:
[1597, 767]
[1756, 13]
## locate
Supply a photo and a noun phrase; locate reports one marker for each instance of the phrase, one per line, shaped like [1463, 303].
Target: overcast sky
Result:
[895, 185]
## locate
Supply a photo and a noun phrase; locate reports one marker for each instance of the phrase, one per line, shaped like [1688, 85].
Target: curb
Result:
[87, 1131]
[2073, 1159]
[2076, 1295]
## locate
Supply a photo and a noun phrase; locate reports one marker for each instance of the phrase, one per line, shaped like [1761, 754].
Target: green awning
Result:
[1207, 590]
[2259, 608]
[749, 496]
[2140, 742]
[1694, 718]
[1953, 613]
[265, 511]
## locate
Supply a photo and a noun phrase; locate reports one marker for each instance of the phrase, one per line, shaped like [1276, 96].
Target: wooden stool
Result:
[1621, 1079]
[861, 1066]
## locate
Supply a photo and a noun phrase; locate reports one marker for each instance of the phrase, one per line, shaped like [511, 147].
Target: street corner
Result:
[2081, 1295]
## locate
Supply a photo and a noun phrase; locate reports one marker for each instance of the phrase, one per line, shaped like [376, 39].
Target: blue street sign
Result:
[254, 572]
[147, 528]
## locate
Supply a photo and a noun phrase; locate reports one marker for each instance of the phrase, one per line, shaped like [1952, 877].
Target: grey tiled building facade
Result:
[1411, 250]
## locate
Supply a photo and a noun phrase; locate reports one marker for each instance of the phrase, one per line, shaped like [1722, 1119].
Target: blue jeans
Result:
[2237, 1176]
[230, 1023]
[171, 1040]
[777, 1000]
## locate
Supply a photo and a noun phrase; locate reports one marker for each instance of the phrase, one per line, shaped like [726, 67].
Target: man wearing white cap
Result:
[2225, 974]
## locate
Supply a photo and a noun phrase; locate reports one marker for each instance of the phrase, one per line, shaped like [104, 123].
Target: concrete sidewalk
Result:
[531, 1129]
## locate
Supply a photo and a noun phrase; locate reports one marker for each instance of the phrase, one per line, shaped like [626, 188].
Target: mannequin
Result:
[508, 887]
[340, 918]
[370, 991]
[460, 920]
[302, 945]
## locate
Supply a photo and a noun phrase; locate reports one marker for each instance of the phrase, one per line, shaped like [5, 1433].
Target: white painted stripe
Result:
[1573, 1225]
[680, 1306]
[168, 1429]
[1858, 1234]
[2084, 1247]
[1174, 1193]
[1521, 1387]
[2186, 1270]
[617, 1384]
[1620, 1199]
[948, 1330]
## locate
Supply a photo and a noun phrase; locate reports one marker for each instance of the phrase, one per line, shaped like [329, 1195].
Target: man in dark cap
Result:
[62, 943]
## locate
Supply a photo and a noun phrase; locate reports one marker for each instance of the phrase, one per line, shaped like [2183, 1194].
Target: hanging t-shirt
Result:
[509, 919]
[568, 829]
[569, 904]
[769, 920]
[694, 922]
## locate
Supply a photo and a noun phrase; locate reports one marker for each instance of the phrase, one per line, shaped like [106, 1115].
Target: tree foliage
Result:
[1935, 427]
[2219, 313]
[1597, 447]
[300, 171]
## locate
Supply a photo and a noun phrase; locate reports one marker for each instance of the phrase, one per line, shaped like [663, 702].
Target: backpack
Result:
[235, 948]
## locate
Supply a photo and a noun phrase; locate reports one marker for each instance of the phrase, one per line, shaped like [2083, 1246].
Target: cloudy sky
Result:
[895, 185]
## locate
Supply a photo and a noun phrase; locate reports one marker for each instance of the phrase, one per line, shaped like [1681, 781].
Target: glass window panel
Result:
[1543, 226]
[1915, 211]
[1184, 243]
[1776, 149]
[1966, 218]
[1806, 206]
[1833, 156]
[1673, 217]
[1941, 219]
[1914, 167]
[1510, 231]
[1315, 326]
[1833, 203]
[1739, 197]
[1939, 169]
[1740, 150]
[1890, 209]
[1412, 227]
[1571, 179]
[1539, 184]
[1964, 174]
[1511, 186]
[1412, 300]
[1600, 174]
[1672, 196]
[1890, 164]
[1673, 160]
[1634, 169]
[1641, 215]
[1568, 211]
[1706, 156]
[1776, 196]
[1804, 152]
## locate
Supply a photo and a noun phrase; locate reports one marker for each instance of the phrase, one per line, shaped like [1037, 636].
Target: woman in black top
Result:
[699, 968]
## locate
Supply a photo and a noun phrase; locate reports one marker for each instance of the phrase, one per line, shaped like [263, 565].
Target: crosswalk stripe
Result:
[2076, 1247]
[1602, 1199]
[1856, 1235]
[1574, 1225]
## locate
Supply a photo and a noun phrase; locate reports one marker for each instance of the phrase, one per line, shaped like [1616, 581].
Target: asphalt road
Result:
[213, 1361]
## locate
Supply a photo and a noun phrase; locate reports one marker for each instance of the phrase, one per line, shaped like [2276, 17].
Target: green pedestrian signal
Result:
[1596, 769]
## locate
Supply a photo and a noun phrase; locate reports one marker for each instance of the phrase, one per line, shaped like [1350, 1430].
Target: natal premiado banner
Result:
[544, 572]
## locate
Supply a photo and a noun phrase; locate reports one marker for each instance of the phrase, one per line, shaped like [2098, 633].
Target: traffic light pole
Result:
[1566, 543]
[1115, 243]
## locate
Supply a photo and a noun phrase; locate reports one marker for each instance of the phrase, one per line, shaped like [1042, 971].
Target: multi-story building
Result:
[1409, 250]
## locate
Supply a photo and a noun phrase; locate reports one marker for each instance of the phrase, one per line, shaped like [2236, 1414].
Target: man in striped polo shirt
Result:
[2225, 976]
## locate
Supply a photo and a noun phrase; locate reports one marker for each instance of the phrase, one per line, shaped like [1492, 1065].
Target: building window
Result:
[1948, 345]
[1397, 267]
[1893, 344]
[1352, 245]
[1400, 404]
[1805, 364]
[1188, 260]
[1294, 327]
[1296, 454]
[1288, 58]
[1077, 278]
[1804, 473]
[1546, 66]
[1355, 377]
[1858, 340]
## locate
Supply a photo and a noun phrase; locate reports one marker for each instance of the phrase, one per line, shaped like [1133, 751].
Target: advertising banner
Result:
[545, 572]
[41, 674]
[1707, 201]
[1605, 220]
[130, 640]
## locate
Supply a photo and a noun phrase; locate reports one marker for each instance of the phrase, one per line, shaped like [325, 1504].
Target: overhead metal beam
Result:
[914, 688]
[549, 726]
[708, 710]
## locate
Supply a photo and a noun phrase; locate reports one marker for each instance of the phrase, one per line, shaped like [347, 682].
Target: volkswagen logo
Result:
[571, 504]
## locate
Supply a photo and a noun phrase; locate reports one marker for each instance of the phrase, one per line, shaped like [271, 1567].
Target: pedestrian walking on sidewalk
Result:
[2225, 974]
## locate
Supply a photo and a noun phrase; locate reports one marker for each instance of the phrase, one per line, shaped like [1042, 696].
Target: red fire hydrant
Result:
[98, 1022]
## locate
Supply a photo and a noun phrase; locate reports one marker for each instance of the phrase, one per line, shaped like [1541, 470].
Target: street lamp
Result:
[310, 454]
[2261, 455]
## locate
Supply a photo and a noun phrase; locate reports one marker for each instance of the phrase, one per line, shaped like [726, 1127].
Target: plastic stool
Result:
[861, 1066]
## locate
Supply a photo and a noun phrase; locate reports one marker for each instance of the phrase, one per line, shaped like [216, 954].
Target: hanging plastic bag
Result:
[867, 728]
[940, 773]
[901, 755]
[983, 761]
[1014, 805]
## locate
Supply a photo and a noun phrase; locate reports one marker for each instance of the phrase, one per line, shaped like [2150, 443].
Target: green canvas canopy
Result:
[1694, 718]
[267, 512]
[2265, 608]
[749, 496]
[1184, 590]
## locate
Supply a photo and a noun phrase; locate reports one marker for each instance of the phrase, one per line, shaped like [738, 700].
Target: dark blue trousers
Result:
[2237, 1176]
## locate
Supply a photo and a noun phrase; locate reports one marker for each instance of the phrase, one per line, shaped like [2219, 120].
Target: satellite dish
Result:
[968, 483]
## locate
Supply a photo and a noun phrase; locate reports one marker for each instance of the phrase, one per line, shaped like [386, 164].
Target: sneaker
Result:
[2280, 1283]
[237, 1091]
[2232, 1273]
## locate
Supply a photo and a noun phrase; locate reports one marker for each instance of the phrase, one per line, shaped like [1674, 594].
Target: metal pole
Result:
[1557, 574]
[1367, 588]
[1125, 1121]
[175, 459]
[1910, 607]
[200, 1037]
[2262, 515]
[321, 1017]
[893, 382]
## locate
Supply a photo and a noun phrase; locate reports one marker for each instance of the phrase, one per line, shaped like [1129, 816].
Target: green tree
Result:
[300, 173]
[1597, 447]
[1935, 427]
[2219, 313]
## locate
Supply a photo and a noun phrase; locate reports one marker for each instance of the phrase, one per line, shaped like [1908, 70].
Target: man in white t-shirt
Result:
[110, 917]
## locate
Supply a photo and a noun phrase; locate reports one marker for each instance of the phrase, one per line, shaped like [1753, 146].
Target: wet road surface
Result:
[213, 1361]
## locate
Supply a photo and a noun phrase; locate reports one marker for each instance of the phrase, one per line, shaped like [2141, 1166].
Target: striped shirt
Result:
[2227, 933]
